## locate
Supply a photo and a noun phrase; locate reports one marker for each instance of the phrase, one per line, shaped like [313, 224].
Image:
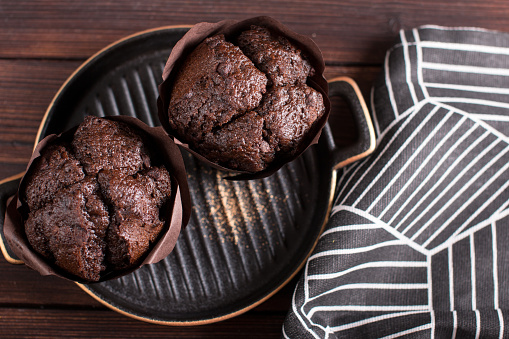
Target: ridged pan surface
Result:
[245, 239]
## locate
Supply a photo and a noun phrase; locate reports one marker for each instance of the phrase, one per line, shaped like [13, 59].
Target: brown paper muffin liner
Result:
[229, 28]
[176, 218]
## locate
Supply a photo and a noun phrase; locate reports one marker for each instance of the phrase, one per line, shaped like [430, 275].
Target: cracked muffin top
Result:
[216, 84]
[244, 103]
[275, 56]
[94, 204]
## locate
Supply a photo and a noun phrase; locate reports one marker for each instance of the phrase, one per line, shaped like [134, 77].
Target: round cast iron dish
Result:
[245, 239]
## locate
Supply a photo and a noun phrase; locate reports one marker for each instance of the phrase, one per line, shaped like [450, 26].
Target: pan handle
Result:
[365, 144]
[8, 188]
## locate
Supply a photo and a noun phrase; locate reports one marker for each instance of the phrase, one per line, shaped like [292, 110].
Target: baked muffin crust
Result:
[95, 206]
[244, 103]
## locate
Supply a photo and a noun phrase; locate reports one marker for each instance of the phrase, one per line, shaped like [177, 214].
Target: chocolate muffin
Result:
[94, 204]
[245, 103]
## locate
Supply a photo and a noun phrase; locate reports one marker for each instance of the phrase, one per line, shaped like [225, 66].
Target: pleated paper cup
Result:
[231, 28]
[175, 217]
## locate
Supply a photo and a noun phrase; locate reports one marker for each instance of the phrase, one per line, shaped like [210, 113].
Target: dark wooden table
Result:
[43, 42]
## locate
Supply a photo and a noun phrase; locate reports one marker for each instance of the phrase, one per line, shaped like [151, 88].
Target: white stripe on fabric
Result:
[481, 102]
[343, 175]
[458, 194]
[501, 322]
[409, 139]
[464, 28]
[374, 264]
[417, 107]
[327, 332]
[361, 163]
[468, 88]
[452, 240]
[454, 324]
[451, 277]
[385, 226]
[382, 152]
[466, 69]
[351, 228]
[284, 333]
[374, 319]
[372, 286]
[449, 186]
[435, 169]
[348, 168]
[485, 125]
[409, 161]
[495, 264]
[472, 198]
[430, 296]
[306, 284]
[364, 249]
[484, 205]
[344, 186]
[407, 62]
[420, 75]
[500, 211]
[465, 47]
[369, 308]
[407, 332]
[423, 164]
[473, 276]
[373, 111]
[491, 117]
[298, 315]
[389, 85]
[477, 324]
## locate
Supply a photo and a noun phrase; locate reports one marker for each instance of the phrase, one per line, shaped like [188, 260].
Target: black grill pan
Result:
[245, 239]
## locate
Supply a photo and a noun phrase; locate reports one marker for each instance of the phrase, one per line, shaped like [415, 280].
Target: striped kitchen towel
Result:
[417, 244]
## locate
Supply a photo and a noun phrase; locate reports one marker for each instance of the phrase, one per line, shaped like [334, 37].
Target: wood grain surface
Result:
[43, 42]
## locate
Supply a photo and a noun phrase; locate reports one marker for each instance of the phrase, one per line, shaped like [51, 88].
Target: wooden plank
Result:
[26, 89]
[22, 286]
[28, 86]
[347, 32]
[51, 323]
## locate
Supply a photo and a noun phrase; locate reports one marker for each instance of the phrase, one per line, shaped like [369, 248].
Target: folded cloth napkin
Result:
[417, 244]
